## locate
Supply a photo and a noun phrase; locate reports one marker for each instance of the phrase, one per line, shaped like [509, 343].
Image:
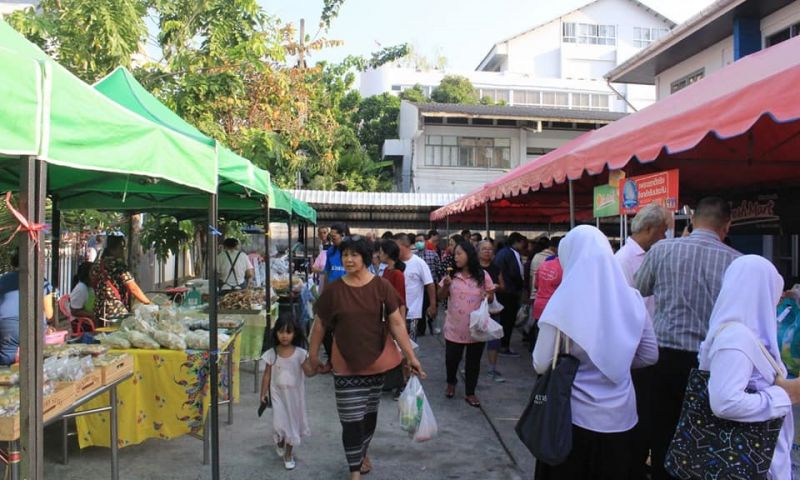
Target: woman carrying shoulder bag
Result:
[363, 312]
[743, 385]
[607, 328]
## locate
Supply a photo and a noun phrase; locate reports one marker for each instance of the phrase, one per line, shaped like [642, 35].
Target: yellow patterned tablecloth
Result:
[167, 397]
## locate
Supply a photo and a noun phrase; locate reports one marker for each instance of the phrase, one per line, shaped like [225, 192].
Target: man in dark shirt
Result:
[509, 261]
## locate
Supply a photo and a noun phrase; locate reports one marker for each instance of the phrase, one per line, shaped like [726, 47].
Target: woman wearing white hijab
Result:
[751, 290]
[610, 332]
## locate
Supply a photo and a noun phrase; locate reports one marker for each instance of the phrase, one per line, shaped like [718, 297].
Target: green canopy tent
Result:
[59, 135]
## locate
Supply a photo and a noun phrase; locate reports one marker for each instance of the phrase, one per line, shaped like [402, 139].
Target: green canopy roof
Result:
[122, 87]
[89, 142]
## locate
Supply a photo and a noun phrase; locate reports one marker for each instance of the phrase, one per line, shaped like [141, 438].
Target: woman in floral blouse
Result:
[464, 289]
[113, 283]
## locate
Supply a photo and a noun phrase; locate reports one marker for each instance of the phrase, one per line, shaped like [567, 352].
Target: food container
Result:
[121, 365]
[56, 338]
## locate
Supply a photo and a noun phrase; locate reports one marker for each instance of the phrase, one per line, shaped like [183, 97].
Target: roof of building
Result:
[516, 112]
[711, 25]
[377, 200]
[584, 5]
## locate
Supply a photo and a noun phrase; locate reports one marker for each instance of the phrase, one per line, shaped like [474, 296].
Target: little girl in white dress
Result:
[283, 385]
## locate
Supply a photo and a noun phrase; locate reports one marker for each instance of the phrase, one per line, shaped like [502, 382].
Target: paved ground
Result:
[472, 443]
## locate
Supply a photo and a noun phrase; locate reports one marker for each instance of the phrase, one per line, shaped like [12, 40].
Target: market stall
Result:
[62, 137]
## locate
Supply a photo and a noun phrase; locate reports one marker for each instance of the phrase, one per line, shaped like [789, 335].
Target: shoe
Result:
[280, 451]
[473, 401]
[450, 392]
[498, 377]
[289, 463]
[437, 331]
[507, 352]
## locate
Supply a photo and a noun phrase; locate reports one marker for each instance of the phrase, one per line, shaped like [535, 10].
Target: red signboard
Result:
[661, 188]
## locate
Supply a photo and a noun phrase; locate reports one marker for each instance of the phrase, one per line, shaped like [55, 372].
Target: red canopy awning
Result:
[739, 128]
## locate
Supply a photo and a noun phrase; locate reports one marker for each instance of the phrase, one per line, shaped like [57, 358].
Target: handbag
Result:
[545, 426]
[706, 446]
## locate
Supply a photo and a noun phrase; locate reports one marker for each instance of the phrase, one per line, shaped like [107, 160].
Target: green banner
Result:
[606, 201]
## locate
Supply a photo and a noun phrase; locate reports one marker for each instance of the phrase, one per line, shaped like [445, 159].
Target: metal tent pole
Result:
[306, 262]
[447, 225]
[55, 262]
[291, 267]
[213, 340]
[267, 270]
[33, 186]
[571, 205]
[487, 219]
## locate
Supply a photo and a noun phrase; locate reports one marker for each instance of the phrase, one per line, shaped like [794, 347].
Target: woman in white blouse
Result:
[609, 332]
[743, 384]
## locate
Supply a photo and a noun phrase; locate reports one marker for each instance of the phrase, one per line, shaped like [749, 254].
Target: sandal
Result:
[450, 392]
[473, 401]
[366, 466]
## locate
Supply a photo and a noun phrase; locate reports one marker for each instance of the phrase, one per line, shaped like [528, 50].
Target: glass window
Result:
[783, 35]
[562, 99]
[502, 142]
[684, 82]
[643, 36]
[434, 140]
[580, 100]
[568, 33]
[549, 99]
[502, 96]
[468, 152]
[449, 140]
[600, 102]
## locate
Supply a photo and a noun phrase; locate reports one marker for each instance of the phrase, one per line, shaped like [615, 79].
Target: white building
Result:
[9, 6]
[447, 148]
[559, 64]
[722, 33]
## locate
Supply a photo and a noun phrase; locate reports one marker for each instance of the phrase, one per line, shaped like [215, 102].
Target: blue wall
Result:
[746, 37]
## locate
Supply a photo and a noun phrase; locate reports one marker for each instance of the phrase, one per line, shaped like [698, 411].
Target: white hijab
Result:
[751, 290]
[594, 305]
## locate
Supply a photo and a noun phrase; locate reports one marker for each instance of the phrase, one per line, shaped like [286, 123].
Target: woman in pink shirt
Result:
[464, 289]
[548, 278]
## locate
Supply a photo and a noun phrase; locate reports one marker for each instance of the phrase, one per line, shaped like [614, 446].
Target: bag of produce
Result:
[118, 340]
[142, 340]
[170, 340]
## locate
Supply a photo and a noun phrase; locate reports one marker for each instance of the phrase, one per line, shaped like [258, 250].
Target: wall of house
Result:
[429, 179]
[711, 59]
[786, 16]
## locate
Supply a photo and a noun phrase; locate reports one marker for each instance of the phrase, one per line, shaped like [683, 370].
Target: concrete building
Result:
[9, 6]
[722, 33]
[446, 148]
[558, 64]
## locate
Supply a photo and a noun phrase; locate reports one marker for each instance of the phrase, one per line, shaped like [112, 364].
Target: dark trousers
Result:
[643, 380]
[423, 322]
[472, 364]
[508, 317]
[594, 456]
[670, 376]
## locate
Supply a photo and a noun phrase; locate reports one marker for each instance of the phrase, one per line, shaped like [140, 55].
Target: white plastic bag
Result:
[416, 415]
[495, 307]
[482, 327]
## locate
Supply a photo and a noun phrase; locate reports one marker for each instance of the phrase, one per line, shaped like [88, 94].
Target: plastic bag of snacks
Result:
[416, 415]
[169, 340]
[142, 340]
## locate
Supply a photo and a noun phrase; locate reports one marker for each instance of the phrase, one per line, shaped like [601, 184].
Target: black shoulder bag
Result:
[545, 426]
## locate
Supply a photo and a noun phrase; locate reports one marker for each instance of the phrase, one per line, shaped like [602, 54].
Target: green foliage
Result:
[164, 235]
[414, 94]
[455, 89]
[376, 118]
[89, 37]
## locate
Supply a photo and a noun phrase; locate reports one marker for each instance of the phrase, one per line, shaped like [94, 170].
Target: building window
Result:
[538, 151]
[783, 35]
[644, 36]
[397, 88]
[467, 152]
[555, 99]
[587, 33]
[684, 82]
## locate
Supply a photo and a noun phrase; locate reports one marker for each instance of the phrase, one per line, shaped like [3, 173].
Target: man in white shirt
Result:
[419, 282]
[233, 267]
[648, 227]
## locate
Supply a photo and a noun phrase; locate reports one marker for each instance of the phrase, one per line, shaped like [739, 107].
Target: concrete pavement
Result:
[472, 443]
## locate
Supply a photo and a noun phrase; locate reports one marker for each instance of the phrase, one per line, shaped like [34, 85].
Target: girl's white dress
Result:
[288, 393]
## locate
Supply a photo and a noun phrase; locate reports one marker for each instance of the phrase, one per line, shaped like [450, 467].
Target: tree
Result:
[89, 37]
[455, 89]
[376, 119]
[414, 94]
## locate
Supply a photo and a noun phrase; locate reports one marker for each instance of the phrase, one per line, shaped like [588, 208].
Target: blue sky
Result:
[461, 30]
